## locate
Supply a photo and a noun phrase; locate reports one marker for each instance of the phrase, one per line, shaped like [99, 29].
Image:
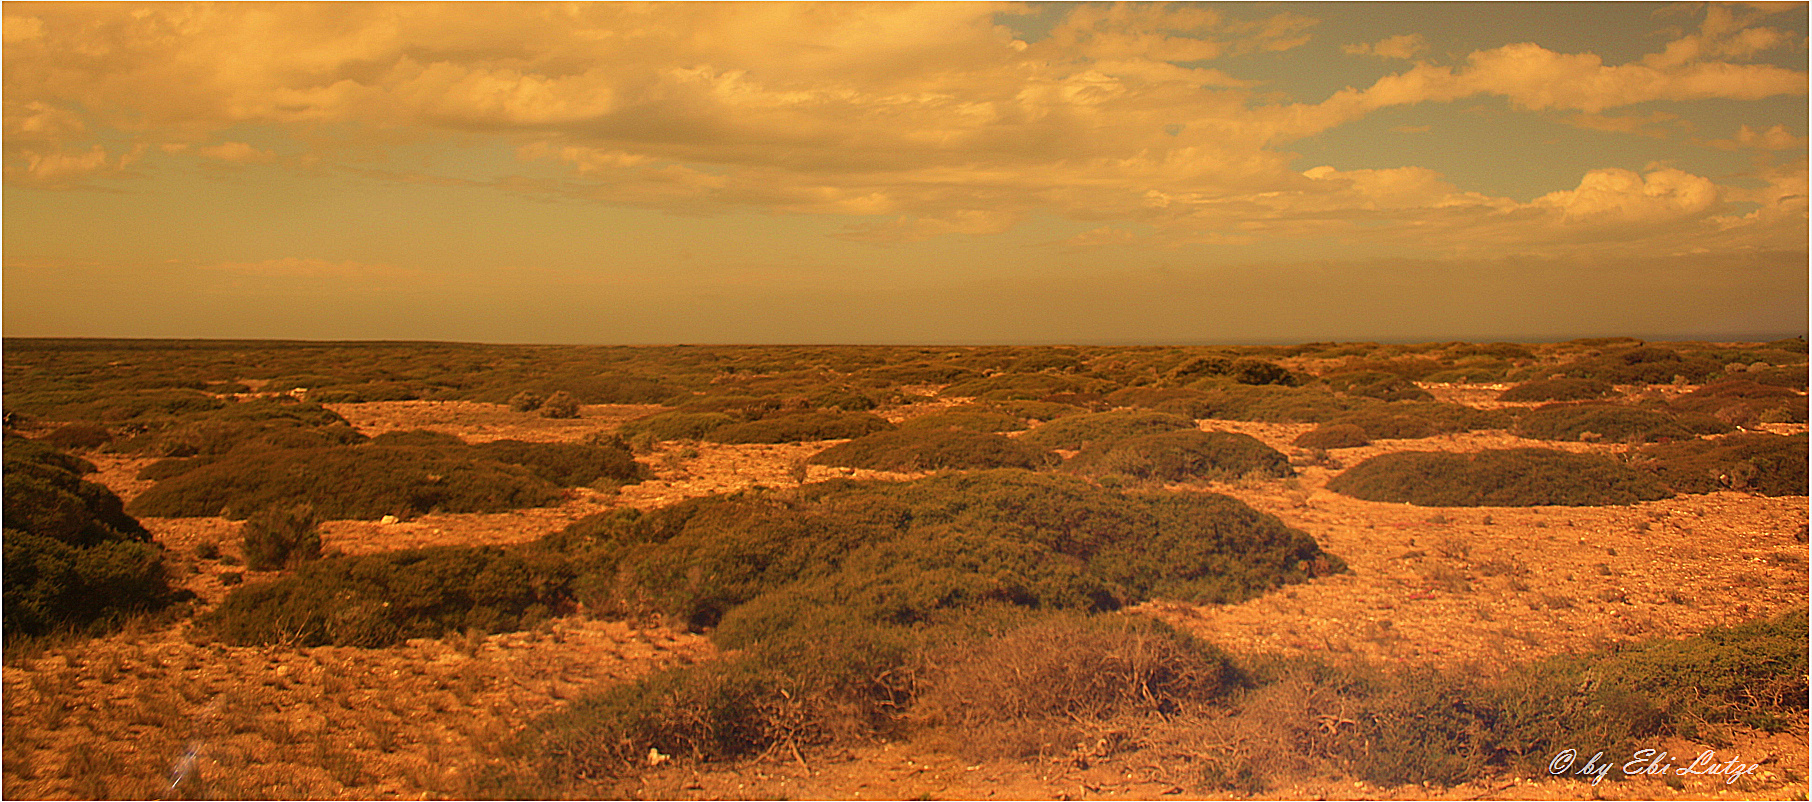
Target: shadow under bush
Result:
[1523, 477]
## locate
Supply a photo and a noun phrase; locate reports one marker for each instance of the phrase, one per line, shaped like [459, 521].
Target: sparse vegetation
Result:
[1333, 435]
[1615, 423]
[1522, 477]
[281, 537]
[822, 425]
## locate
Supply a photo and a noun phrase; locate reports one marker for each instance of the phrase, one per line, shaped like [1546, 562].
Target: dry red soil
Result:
[1479, 587]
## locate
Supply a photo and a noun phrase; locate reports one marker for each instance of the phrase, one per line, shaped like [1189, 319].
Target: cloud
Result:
[1775, 138]
[926, 119]
[237, 153]
[1402, 46]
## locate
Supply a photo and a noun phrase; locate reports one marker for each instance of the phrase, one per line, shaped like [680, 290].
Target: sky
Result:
[936, 173]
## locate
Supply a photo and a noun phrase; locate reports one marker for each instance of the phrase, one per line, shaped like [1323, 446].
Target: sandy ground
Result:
[1484, 587]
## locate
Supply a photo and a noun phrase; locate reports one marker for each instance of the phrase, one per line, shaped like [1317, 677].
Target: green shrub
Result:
[1182, 456]
[74, 559]
[1376, 384]
[1265, 403]
[1019, 386]
[1035, 410]
[842, 398]
[1615, 422]
[281, 537]
[823, 425]
[1644, 364]
[1522, 477]
[560, 405]
[1333, 435]
[526, 401]
[677, 425]
[365, 393]
[1386, 425]
[1769, 464]
[928, 449]
[1557, 390]
[973, 419]
[245, 425]
[419, 438]
[347, 482]
[1101, 428]
[376, 600]
[1743, 402]
[569, 464]
[79, 435]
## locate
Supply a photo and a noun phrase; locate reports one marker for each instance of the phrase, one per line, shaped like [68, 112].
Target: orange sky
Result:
[920, 172]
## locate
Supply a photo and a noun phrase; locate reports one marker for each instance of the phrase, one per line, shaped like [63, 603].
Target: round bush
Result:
[1522, 477]
[925, 449]
[1333, 435]
[820, 425]
[1104, 427]
[1615, 422]
[1181, 456]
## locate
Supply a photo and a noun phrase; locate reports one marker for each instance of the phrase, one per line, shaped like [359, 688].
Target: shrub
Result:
[245, 425]
[526, 401]
[1103, 427]
[1036, 685]
[1376, 384]
[365, 393]
[842, 398]
[928, 449]
[1333, 435]
[1743, 402]
[420, 438]
[1266, 403]
[1182, 456]
[1019, 386]
[79, 435]
[560, 405]
[1616, 422]
[281, 537]
[569, 464]
[376, 600]
[677, 425]
[1258, 371]
[1557, 390]
[1523, 477]
[1769, 464]
[822, 425]
[1644, 364]
[73, 558]
[973, 419]
[1036, 410]
[347, 482]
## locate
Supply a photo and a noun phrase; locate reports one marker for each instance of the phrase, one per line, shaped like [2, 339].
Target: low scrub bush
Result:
[254, 424]
[1334, 435]
[972, 419]
[1376, 384]
[367, 392]
[1103, 427]
[677, 425]
[1744, 402]
[347, 482]
[526, 401]
[1037, 687]
[376, 600]
[560, 405]
[1182, 456]
[1020, 386]
[1557, 390]
[1769, 464]
[1614, 422]
[1036, 410]
[822, 425]
[928, 449]
[1269, 404]
[569, 464]
[1643, 364]
[80, 435]
[74, 559]
[281, 537]
[1523, 477]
